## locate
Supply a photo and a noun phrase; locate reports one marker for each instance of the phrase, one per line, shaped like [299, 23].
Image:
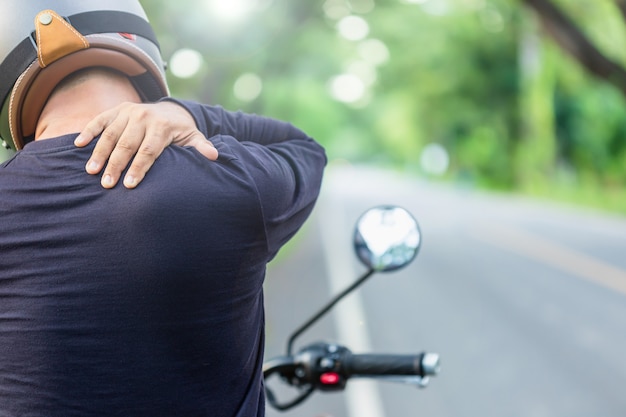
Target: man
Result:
[113, 33]
[144, 301]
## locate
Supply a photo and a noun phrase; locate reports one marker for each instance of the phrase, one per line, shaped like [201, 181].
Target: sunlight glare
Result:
[236, 10]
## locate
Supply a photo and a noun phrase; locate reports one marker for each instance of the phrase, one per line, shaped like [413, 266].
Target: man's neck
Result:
[69, 110]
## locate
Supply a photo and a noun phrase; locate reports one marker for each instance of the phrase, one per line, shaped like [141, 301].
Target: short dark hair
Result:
[77, 78]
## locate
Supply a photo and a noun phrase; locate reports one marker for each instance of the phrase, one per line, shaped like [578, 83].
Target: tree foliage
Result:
[522, 94]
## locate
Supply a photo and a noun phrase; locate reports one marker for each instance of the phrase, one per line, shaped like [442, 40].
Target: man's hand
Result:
[139, 132]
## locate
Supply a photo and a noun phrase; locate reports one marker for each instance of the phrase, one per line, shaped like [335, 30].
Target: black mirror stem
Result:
[325, 309]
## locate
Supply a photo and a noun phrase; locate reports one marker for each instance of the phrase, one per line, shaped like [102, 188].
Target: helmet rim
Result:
[107, 30]
[31, 91]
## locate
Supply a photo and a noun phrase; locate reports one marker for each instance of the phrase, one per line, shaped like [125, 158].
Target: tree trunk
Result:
[569, 37]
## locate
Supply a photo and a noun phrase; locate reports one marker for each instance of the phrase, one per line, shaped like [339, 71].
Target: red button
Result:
[329, 378]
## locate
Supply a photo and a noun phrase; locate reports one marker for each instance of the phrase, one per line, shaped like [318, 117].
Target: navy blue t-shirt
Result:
[147, 302]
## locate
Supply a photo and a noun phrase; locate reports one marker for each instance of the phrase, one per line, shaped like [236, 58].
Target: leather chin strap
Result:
[56, 38]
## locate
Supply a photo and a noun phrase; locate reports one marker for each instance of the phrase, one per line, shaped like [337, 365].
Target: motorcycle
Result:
[386, 238]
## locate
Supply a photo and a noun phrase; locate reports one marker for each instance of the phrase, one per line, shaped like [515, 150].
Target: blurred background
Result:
[522, 95]
[501, 125]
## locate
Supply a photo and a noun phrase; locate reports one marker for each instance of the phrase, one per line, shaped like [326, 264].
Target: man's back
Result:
[137, 302]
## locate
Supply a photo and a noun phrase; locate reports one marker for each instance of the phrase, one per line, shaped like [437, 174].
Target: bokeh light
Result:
[374, 51]
[186, 63]
[434, 159]
[347, 88]
[235, 10]
[248, 87]
[336, 9]
[364, 70]
[353, 28]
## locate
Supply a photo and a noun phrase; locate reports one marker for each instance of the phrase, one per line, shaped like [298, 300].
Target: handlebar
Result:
[327, 367]
[424, 364]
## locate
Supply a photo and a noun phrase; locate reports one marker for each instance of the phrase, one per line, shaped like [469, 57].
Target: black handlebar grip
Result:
[373, 365]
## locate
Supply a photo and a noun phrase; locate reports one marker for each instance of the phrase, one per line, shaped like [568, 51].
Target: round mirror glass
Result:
[387, 238]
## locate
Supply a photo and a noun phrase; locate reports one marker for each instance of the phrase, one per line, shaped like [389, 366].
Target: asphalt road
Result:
[525, 302]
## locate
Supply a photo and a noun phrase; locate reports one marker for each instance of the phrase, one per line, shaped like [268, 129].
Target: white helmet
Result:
[44, 41]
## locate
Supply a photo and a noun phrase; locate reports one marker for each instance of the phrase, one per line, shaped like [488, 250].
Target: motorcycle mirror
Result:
[386, 238]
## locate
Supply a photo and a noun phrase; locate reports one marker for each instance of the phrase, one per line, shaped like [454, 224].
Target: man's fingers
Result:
[206, 148]
[150, 149]
[139, 132]
[108, 141]
[94, 128]
[123, 152]
[148, 142]
[197, 140]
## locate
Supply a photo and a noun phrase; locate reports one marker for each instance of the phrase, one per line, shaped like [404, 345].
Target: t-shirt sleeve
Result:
[285, 164]
[245, 127]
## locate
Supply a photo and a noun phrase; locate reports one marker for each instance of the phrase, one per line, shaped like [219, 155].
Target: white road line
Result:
[363, 397]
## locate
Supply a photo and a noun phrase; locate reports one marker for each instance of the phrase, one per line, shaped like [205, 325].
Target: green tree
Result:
[520, 99]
